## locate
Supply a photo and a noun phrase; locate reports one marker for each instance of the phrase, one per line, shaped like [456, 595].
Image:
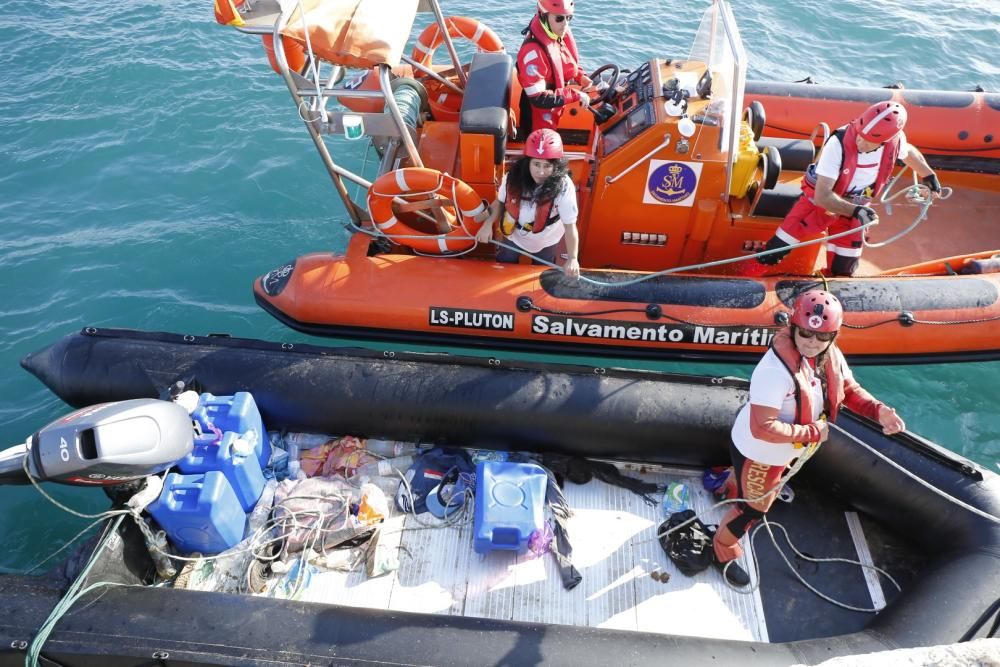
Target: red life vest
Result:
[543, 211]
[790, 356]
[849, 164]
[536, 33]
[890, 153]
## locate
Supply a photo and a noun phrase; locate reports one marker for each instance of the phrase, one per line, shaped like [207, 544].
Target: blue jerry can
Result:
[510, 505]
[199, 512]
[236, 460]
[237, 413]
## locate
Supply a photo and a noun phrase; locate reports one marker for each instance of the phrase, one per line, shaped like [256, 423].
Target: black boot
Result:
[734, 574]
[773, 244]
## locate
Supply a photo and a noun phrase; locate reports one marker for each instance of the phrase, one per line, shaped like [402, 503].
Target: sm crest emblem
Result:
[672, 183]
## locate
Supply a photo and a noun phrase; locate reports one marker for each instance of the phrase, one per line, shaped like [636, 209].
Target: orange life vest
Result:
[512, 208]
[535, 33]
[784, 348]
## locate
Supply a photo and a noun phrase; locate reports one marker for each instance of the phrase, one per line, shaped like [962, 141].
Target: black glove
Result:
[933, 183]
[773, 258]
[604, 113]
[864, 214]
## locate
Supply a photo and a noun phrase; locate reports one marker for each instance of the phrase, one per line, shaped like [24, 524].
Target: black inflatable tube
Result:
[617, 413]
[194, 627]
[444, 399]
[966, 573]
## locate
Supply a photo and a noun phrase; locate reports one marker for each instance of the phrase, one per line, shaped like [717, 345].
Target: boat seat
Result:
[777, 202]
[487, 100]
[796, 154]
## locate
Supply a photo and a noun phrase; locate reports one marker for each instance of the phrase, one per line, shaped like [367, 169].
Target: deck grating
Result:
[614, 547]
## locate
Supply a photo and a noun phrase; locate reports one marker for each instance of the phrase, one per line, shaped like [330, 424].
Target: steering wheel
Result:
[704, 87]
[611, 80]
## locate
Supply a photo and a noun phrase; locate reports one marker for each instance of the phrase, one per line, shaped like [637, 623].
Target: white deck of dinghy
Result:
[614, 547]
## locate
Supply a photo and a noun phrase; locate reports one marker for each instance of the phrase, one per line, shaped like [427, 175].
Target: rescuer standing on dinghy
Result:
[801, 381]
[853, 169]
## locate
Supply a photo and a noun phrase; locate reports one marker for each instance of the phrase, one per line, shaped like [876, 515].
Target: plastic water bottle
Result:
[389, 448]
[306, 440]
[385, 468]
[294, 465]
[676, 498]
[158, 550]
[258, 517]
[480, 455]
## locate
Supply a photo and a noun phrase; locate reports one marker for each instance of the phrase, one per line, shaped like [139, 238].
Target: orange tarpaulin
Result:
[355, 33]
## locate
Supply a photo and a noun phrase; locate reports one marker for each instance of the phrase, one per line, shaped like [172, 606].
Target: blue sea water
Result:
[151, 165]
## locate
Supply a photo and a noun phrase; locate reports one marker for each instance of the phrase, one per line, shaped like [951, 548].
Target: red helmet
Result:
[818, 310]
[880, 122]
[545, 144]
[556, 6]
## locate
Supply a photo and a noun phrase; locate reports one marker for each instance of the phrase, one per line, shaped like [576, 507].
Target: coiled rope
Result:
[792, 470]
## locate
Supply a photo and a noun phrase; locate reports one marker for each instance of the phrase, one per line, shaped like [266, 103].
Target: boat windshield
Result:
[717, 44]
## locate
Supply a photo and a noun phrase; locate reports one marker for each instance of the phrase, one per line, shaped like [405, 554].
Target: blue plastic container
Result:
[510, 504]
[199, 512]
[240, 466]
[237, 413]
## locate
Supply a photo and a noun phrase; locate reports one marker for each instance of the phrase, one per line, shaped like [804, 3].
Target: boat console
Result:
[637, 92]
[633, 108]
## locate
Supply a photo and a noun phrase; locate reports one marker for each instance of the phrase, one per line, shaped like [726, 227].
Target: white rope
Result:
[793, 470]
[690, 267]
[915, 194]
[312, 57]
[926, 485]
[69, 510]
[774, 541]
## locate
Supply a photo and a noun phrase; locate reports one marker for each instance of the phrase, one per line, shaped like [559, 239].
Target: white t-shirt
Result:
[564, 204]
[831, 160]
[772, 386]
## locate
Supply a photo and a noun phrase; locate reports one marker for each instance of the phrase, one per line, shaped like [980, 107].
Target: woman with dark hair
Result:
[536, 205]
[799, 384]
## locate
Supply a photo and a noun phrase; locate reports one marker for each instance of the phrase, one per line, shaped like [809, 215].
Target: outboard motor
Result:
[103, 445]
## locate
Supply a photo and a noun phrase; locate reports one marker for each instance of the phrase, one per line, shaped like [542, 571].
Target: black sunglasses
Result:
[562, 17]
[825, 336]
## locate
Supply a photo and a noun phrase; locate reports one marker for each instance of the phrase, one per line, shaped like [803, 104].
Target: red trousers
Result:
[807, 219]
[751, 479]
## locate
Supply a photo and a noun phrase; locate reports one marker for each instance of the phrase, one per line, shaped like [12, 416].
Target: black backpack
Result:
[690, 547]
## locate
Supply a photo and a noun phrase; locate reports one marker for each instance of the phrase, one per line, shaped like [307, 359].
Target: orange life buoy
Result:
[411, 181]
[444, 102]
[227, 14]
[295, 54]
[458, 26]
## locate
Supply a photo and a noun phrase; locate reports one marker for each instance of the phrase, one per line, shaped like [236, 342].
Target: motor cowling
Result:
[111, 443]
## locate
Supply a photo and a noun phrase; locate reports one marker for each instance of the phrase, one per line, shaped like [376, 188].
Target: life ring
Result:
[411, 181]
[458, 26]
[226, 12]
[445, 103]
[295, 54]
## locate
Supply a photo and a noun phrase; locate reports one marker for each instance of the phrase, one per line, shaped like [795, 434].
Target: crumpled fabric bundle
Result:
[316, 513]
[336, 457]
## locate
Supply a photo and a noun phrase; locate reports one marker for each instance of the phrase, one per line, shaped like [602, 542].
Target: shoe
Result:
[734, 574]
[786, 495]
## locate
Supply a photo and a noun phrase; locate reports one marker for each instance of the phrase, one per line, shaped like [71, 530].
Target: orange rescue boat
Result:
[683, 170]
